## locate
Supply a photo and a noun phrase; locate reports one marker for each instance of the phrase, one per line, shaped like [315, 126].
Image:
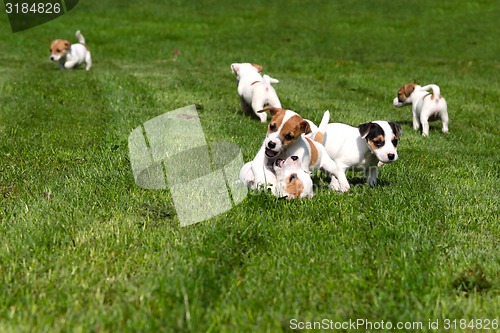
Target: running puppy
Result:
[255, 91]
[425, 106]
[71, 55]
[361, 149]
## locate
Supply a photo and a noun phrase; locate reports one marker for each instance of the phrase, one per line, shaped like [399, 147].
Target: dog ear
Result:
[305, 127]
[396, 129]
[259, 67]
[364, 129]
[235, 68]
[273, 110]
[408, 89]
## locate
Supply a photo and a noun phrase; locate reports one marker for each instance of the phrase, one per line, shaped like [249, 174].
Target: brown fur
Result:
[377, 138]
[294, 188]
[319, 137]
[292, 127]
[314, 152]
[59, 47]
[405, 91]
[259, 67]
[277, 115]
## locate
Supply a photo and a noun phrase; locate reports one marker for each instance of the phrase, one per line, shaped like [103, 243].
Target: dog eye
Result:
[58, 50]
[293, 176]
[288, 137]
[378, 143]
[395, 142]
[272, 127]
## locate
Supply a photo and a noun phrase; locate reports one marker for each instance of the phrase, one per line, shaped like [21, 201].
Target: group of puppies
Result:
[294, 147]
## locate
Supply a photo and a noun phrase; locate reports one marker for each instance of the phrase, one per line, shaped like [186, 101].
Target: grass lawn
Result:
[84, 249]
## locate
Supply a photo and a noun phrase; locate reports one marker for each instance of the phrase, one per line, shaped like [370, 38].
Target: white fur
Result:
[350, 151]
[425, 108]
[76, 55]
[255, 91]
[301, 147]
[260, 171]
[292, 167]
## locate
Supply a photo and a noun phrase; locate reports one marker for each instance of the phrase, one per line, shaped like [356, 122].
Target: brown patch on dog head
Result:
[305, 127]
[277, 115]
[406, 91]
[294, 186]
[293, 128]
[376, 143]
[59, 47]
[314, 152]
[259, 67]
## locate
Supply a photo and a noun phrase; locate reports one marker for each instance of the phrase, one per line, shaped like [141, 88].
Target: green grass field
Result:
[84, 249]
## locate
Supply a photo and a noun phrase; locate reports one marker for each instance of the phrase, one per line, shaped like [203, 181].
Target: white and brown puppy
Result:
[71, 55]
[260, 171]
[425, 106]
[361, 149]
[286, 136]
[255, 91]
[291, 180]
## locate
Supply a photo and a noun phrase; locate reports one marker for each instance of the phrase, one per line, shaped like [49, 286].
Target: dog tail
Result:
[436, 92]
[319, 135]
[80, 37]
[268, 80]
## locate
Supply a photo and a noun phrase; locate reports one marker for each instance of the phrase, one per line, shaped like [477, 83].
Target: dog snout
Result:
[271, 145]
[391, 157]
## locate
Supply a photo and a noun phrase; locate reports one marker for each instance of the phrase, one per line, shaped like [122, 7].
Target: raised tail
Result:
[268, 80]
[319, 135]
[80, 37]
[436, 92]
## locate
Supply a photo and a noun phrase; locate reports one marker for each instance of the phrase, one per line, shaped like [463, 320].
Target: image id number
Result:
[35, 8]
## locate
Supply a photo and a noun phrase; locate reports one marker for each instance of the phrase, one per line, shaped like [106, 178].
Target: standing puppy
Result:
[425, 106]
[255, 91]
[361, 149]
[71, 55]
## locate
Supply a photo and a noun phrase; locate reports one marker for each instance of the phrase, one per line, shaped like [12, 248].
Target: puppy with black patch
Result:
[361, 148]
[254, 90]
[425, 106]
[71, 55]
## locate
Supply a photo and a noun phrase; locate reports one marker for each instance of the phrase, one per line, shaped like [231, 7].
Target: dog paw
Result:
[336, 186]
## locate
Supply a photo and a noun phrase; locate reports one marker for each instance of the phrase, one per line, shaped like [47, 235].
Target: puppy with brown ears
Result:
[255, 91]
[71, 55]
[425, 106]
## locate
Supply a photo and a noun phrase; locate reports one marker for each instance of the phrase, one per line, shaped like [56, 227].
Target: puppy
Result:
[71, 55]
[286, 136]
[361, 149]
[260, 171]
[291, 180]
[425, 106]
[255, 91]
